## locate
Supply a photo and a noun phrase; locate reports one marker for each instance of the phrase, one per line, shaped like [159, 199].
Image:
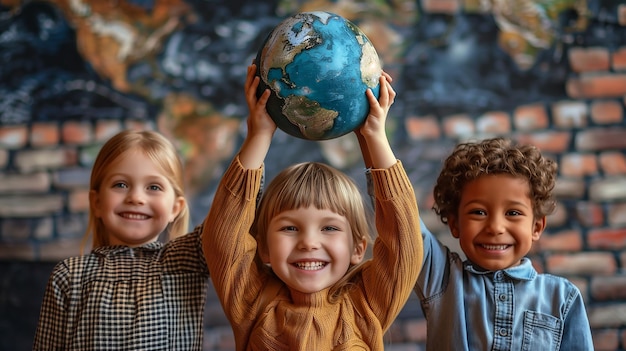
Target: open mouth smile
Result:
[133, 215]
[494, 247]
[310, 266]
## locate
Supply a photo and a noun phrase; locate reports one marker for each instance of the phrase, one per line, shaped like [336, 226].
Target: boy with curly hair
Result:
[494, 195]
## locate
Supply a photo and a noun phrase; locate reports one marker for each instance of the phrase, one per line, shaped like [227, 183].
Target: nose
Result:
[135, 196]
[308, 240]
[495, 225]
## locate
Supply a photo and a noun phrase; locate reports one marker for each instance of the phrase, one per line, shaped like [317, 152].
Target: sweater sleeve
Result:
[388, 279]
[229, 249]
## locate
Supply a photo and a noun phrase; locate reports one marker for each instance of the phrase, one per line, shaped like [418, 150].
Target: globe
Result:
[318, 66]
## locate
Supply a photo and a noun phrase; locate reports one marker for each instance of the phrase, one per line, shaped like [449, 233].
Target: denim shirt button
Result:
[503, 332]
[503, 297]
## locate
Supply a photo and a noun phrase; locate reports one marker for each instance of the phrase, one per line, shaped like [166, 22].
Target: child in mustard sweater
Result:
[290, 273]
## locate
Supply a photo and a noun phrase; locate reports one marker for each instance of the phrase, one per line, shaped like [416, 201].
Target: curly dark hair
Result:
[472, 160]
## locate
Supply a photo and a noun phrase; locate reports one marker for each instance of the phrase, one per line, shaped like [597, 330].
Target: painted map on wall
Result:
[182, 64]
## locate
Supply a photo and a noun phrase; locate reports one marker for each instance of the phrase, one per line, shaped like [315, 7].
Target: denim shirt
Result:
[467, 308]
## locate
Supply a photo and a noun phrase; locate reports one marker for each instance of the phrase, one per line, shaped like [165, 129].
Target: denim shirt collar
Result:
[523, 271]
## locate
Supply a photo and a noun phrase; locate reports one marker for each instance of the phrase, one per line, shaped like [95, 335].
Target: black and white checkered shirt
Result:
[119, 298]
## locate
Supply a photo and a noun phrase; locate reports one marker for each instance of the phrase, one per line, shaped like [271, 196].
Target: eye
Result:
[155, 187]
[514, 213]
[478, 212]
[330, 228]
[120, 185]
[289, 228]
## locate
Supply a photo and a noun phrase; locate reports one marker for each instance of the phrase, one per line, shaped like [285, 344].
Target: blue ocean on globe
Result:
[318, 66]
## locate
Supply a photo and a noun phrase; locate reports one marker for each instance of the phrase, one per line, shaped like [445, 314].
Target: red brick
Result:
[589, 214]
[570, 188]
[579, 165]
[617, 215]
[139, 125]
[609, 288]
[558, 217]
[597, 139]
[44, 134]
[60, 249]
[607, 315]
[619, 58]
[4, 158]
[13, 137]
[76, 132]
[607, 112]
[552, 141]
[568, 114]
[415, 330]
[78, 200]
[53, 158]
[568, 240]
[17, 251]
[105, 129]
[531, 117]
[440, 6]
[423, 128]
[458, 125]
[609, 239]
[613, 162]
[495, 122]
[582, 284]
[589, 59]
[588, 263]
[621, 18]
[604, 85]
[607, 189]
[605, 339]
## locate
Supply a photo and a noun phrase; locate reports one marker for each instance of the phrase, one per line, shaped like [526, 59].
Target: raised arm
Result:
[375, 147]
[261, 127]
[229, 248]
[397, 255]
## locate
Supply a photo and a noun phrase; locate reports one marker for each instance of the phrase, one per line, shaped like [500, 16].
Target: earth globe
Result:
[318, 66]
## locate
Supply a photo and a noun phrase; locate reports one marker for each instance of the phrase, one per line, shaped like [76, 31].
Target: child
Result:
[495, 196]
[302, 284]
[131, 292]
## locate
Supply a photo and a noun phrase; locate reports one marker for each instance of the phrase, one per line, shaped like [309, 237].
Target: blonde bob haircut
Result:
[313, 184]
[162, 152]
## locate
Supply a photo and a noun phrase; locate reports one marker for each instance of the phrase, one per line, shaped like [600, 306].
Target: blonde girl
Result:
[131, 291]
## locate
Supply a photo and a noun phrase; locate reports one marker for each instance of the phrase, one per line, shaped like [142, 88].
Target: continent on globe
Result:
[318, 66]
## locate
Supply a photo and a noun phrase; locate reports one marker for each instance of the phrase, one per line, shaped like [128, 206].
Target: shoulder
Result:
[558, 285]
[184, 252]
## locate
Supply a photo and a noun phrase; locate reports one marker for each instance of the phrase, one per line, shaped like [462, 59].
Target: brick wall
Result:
[45, 164]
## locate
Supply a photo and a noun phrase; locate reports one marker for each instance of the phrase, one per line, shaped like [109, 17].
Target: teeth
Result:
[310, 266]
[495, 247]
[134, 216]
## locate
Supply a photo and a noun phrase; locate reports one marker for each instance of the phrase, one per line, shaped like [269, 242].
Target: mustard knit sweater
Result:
[290, 320]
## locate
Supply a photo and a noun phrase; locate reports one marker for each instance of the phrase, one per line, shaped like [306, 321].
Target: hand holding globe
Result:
[318, 66]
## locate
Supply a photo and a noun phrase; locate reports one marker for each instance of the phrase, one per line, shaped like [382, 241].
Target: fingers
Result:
[388, 76]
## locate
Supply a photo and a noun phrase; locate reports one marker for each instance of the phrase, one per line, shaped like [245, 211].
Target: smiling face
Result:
[311, 249]
[495, 223]
[135, 201]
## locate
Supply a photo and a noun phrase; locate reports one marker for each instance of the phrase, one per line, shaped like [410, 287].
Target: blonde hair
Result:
[162, 152]
[314, 184]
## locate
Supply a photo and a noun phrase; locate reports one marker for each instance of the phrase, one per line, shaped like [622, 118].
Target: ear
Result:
[359, 252]
[263, 253]
[94, 203]
[179, 204]
[538, 227]
[453, 224]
